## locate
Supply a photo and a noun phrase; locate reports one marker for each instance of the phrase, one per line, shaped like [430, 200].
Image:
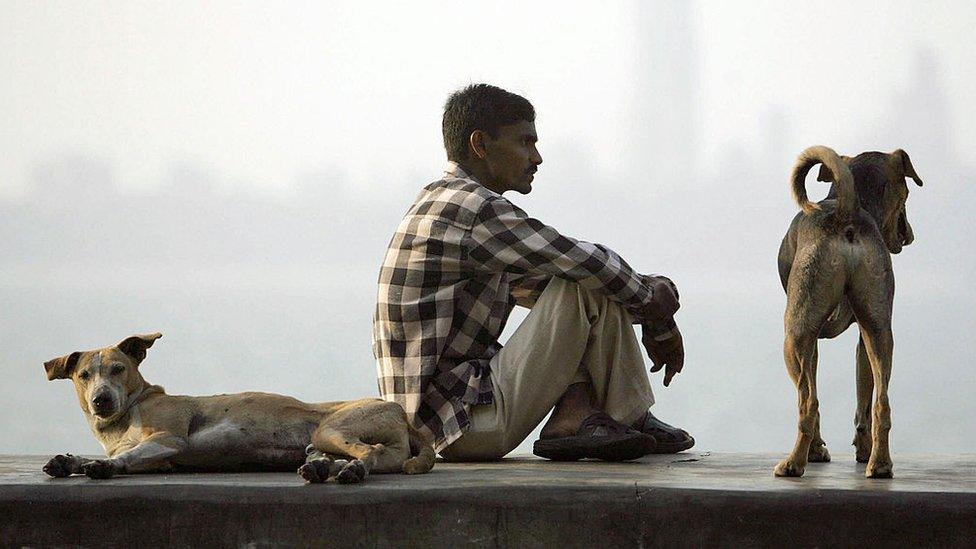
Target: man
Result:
[462, 257]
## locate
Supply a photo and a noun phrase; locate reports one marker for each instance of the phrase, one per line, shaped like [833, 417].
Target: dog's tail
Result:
[421, 450]
[840, 174]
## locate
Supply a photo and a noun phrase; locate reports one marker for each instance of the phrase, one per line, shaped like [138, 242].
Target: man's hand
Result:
[664, 299]
[669, 352]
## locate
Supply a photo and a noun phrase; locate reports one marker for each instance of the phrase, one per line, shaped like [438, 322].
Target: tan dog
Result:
[835, 268]
[144, 430]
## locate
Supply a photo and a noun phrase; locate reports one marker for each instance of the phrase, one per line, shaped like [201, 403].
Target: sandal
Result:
[670, 440]
[599, 437]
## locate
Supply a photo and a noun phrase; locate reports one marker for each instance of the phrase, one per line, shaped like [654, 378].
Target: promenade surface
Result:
[689, 499]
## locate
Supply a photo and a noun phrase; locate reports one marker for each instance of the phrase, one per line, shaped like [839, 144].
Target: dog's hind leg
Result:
[878, 343]
[815, 288]
[372, 433]
[862, 415]
[366, 457]
[317, 467]
[818, 448]
[871, 296]
[800, 354]
[878, 346]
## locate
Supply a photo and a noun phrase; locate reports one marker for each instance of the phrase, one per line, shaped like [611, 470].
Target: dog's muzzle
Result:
[905, 231]
[901, 236]
[103, 405]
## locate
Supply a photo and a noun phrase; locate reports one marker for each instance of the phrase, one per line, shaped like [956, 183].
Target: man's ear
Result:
[61, 367]
[906, 166]
[135, 346]
[476, 144]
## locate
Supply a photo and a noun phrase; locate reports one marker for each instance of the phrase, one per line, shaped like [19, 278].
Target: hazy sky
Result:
[229, 174]
[261, 94]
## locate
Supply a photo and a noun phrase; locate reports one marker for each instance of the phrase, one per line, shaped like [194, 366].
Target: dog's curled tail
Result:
[841, 175]
[421, 450]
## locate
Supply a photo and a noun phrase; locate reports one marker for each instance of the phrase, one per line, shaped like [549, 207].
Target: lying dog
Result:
[144, 430]
[835, 268]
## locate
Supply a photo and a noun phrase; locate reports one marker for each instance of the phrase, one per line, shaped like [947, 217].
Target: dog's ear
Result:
[825, 174]
[906, 166]
[135, 346]
[61, 367]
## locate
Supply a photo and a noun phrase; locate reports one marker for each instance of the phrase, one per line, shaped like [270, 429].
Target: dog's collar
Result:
[133, 400]
[144, 392]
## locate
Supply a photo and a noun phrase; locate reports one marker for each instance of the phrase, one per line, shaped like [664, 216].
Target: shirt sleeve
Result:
[504, 238]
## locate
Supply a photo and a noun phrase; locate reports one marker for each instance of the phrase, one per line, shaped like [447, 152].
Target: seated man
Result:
[462, 257]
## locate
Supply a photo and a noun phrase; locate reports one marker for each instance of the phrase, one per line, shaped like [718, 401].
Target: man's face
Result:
[512, 157]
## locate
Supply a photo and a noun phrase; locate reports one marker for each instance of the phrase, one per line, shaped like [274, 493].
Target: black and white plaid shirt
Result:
[460, 260]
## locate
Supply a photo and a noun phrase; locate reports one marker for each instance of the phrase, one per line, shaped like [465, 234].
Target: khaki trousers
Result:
[571, 335]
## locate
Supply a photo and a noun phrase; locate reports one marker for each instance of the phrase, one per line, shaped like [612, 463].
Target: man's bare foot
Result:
[573, 407]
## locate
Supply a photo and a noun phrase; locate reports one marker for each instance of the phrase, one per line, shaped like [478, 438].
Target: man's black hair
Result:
[480, 107]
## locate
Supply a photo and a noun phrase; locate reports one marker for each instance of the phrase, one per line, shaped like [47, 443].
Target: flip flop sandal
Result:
[670, 440]
[598, 437]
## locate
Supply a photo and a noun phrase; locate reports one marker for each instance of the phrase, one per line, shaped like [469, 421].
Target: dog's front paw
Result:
[98, 469]
[315, 471]
[818, 454]
[878, 469]
[788, 468]
[60, 466]
[353, 472]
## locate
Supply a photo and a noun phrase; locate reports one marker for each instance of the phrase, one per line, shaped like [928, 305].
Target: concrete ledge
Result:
[689, 499]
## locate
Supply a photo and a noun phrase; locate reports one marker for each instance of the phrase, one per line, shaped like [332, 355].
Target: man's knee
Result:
[594, 302]
[568, 286]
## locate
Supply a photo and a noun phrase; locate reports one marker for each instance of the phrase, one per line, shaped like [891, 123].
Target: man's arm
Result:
[505, 238]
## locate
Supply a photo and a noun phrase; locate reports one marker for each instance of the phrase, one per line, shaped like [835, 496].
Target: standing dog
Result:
[835, 268]
[144, 430]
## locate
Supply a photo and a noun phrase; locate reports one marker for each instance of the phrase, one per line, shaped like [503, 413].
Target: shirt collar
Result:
[454, 169]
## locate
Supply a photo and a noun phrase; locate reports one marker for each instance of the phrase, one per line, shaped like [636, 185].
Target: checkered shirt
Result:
[460, 260]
